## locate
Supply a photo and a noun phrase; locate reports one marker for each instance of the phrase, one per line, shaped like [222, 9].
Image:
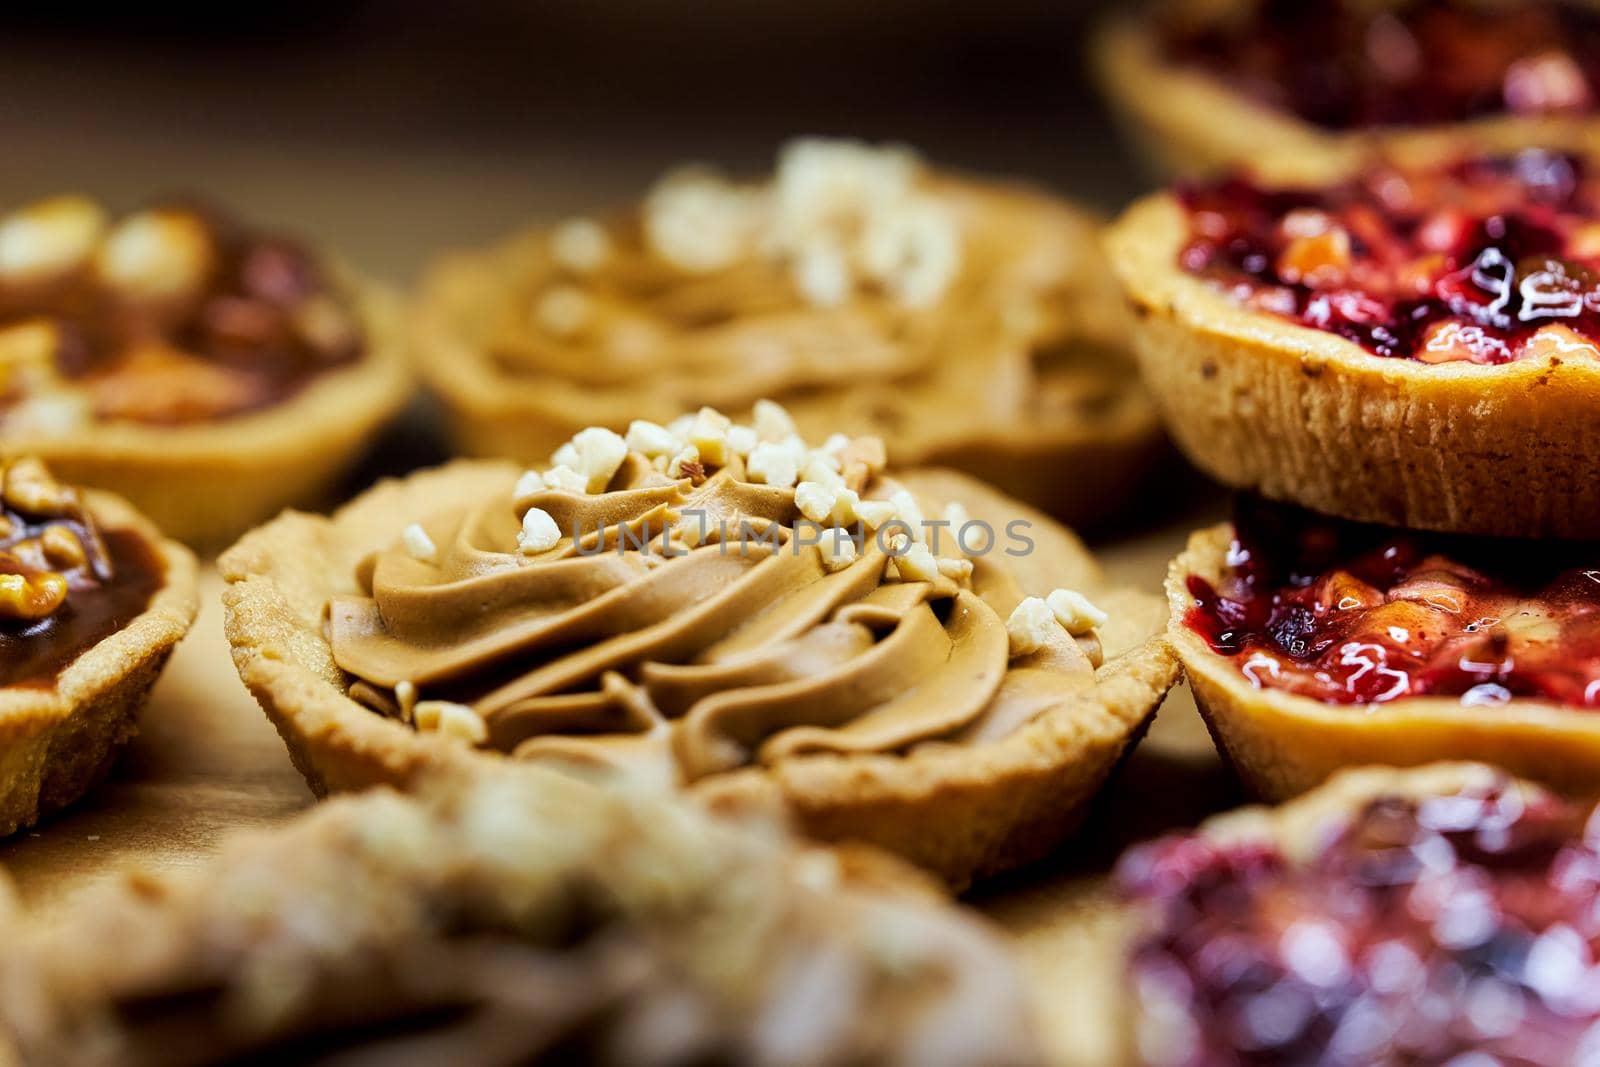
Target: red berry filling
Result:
[1351, 614]
[1486, 261]
[1342, 65]
[1425, 930]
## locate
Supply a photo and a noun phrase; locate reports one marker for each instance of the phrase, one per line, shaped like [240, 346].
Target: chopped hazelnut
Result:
[418, 544]
[875, 513]
[910, 513]
[539, 532]
[563, 310]
[917, 564]
[580, 245]
[158, 255]
[958, 569]
[49, 237]
[529, 483]
[709, 434]
[452, 719]
[600, 454]
[565, 478]
[1074, 612]
[1031, 626]
[772, 464]
[837, 552]
[652, 440]
[773, 421]
[821, 273]
[814, 500]
[565, 456]
[742, 440]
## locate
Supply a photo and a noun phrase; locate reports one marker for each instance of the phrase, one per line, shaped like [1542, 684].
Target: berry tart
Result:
[210, 373]
[1312, 644]
[1442, 915]
[521, 918]
[913, 660]
[968, 323]
[92, 601]
[1310, 89]
[1413, 347]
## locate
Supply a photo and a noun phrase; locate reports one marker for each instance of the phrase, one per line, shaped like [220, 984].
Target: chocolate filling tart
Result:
[208, 370]
[1439, 915]
[1312, 644]
[1312, 89]
[967, 323]
[520, 917]
[92, 601]
[716, 608]
[1413, 347]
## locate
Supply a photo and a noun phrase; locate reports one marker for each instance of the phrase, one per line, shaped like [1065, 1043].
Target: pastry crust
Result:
[1283, 744]
[56, 743]
[1303, 415]
[1185, 121]
[959, 811]
[205, 483]
[1105, 454]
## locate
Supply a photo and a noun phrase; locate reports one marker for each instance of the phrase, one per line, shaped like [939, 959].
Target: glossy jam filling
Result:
[104, 595]
[1422, 931]
[1351, 614]
[1344, 64]
[257, 324]
[1486, 261]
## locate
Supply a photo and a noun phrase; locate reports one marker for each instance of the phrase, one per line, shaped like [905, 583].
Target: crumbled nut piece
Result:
[834, 445]
[958, 569]
[913, 249]
[49, 237]
[821, 273]
[814, 500]
[62, 549]
[773, 421]
[860, 459]
[31, 597]
[1031, 626]
[600, 453]
[405, 694]
[566, 479]
[539, 532]
[580, 245]
[699, 221]
[652, 440]
[822, 469]
[565, 456]
[875, 513]
[1075, 613]
[910, 513]
[837, 552]
[529, 483]
[917, 564]
[451, 719]
[563, 310]
[418, 544]
[160, 254]
[772, 464]
[742, 440]
[685, 464]
[32, 490]
[28, 353]
[709, 434]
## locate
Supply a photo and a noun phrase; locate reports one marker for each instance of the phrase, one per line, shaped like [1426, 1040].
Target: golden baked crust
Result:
[517, 916]
[55, 743]
[1301, 414]
[204, 483]
[1016, 413]
[1186, 122]
[957, 810]
[1283, 744]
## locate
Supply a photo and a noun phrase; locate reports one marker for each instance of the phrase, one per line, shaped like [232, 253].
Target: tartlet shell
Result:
[1283, 744]
[1300, 414]
[960, 812]
[56, 743]
[1185, 121]
[205, 483]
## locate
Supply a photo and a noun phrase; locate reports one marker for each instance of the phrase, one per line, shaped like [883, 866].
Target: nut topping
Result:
[48, 542]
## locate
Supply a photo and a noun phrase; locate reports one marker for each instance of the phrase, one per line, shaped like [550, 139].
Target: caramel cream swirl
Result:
[693, 625]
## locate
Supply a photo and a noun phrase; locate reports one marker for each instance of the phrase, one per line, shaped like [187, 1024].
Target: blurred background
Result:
[391, 129]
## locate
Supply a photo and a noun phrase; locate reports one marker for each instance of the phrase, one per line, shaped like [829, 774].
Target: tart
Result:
[524, 917]
[210, 373]
[1438, 915]
[1312, 644]
[968, 323]
[92, 601]
[1413, 347]
[912, 660]
[1310, 90]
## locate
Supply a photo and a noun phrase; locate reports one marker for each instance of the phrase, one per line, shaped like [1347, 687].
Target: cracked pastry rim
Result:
[1185, 121]
[1297, 829]
[56, 742]
[1283, 744]
[1300, 414]
[495, 413]
[958, 811]
[206, 482]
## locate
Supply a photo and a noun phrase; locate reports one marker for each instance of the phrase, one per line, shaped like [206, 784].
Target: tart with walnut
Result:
[1413, 347]
[908, 659]
[210, 373]
[967, 323]
[1312, 89]
[1436, 915]
[1313, 644]
[527, 917]
[92, 601]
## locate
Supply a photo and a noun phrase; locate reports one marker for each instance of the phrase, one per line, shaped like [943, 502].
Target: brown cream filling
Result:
[692, 658]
